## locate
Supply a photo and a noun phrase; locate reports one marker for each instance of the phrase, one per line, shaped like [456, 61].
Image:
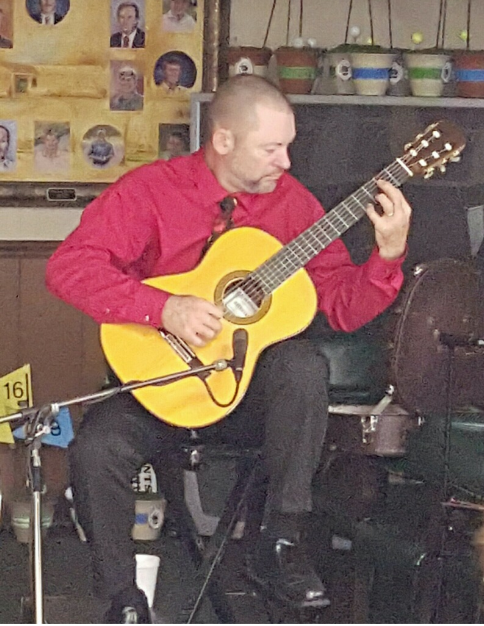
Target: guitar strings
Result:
[269, 275]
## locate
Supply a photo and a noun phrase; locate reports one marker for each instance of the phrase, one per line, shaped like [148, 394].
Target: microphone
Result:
[460, 341]
[240, 340]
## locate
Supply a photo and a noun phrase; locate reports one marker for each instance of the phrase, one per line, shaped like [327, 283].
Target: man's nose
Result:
[283, 160]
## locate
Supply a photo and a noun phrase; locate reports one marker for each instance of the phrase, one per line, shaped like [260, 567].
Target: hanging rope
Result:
[270, 22]
[288, 21]
[390, 33]
[469, 9]
[444, 20]
[350, 9]
[300, 17]
[370, 14]
[439, 22]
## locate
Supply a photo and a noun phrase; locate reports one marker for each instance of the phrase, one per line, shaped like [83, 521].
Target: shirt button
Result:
[147, 318]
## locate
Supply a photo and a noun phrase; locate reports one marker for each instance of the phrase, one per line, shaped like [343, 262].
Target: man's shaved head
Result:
[235, 103]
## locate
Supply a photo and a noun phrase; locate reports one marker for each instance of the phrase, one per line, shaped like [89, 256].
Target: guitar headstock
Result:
[440, 143]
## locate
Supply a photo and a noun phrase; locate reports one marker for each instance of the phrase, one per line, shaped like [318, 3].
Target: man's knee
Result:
[298, 360]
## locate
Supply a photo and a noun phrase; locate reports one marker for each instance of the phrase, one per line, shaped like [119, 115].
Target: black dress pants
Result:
[284, 409]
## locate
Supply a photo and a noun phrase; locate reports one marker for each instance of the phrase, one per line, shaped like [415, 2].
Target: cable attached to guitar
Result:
[240, 343]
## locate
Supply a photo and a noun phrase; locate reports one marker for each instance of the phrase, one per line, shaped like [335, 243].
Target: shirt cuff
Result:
[380, 269]
[150, 306]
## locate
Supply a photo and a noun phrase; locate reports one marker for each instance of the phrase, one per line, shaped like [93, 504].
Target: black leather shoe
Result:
[129, 607]
[281, 568]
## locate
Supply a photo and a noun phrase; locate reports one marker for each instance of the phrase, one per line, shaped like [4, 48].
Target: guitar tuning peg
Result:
[429, 173]
[455, 159]
[407, 146]
[442, 168]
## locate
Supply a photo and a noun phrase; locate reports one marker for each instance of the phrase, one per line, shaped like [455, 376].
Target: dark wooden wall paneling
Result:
[60, 343]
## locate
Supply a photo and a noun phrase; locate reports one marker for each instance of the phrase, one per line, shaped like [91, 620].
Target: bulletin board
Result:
[78, 102]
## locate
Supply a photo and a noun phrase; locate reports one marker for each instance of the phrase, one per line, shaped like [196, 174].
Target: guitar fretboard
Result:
[296, 254]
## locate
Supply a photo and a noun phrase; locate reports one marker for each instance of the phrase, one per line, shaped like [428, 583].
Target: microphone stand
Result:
[38, 422]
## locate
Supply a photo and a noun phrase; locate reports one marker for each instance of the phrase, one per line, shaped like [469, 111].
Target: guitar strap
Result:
[222, 223]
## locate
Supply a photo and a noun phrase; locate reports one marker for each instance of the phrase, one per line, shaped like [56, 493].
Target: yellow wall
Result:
[71, 65]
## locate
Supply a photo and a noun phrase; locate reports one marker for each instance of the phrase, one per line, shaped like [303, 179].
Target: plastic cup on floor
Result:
[146, 575]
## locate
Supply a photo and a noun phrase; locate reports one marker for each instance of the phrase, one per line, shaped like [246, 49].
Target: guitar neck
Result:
[317, 237]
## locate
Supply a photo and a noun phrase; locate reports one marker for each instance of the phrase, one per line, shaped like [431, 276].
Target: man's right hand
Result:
[193, 319]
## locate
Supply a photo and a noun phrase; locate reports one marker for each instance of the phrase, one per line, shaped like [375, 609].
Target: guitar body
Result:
[137, 352]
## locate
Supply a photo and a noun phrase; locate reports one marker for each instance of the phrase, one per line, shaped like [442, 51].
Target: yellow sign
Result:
[15, 394]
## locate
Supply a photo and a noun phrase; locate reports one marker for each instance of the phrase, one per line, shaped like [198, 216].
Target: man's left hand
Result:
[391, 227]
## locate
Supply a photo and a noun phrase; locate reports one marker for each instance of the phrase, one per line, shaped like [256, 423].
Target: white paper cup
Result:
[146, 574]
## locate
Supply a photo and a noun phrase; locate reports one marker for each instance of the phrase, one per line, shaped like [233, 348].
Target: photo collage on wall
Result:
[134, 73]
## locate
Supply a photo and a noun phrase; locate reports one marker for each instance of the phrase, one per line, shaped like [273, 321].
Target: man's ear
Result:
[223, 140]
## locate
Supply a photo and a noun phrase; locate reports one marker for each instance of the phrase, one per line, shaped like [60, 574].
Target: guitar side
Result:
[137, 352]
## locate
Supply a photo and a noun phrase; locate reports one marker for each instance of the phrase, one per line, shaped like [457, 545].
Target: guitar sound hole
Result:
[251, 288]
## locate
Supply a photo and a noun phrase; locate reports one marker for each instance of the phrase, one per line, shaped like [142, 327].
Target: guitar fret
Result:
[393, 179]
[313, 240]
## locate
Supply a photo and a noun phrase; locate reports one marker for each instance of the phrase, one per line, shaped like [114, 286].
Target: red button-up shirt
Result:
[156, 219]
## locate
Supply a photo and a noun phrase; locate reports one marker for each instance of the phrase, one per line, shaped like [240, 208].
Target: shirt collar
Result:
[205, 180]
[47, 18]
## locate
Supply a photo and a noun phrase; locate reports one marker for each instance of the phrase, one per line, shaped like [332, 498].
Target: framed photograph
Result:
[52, 152]
[127, 24]
[174, 140]
[127, 87]
[6, 24]
[103, 146]
[8, 145]
[179, 16]
[174, 73]
[48, 12]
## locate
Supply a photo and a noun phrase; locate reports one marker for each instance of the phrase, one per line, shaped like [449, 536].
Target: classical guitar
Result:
[262, 287]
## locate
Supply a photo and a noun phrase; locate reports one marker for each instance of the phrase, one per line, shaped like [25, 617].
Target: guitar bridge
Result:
[183, 350]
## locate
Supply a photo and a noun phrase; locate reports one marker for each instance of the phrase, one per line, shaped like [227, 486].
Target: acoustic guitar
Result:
[266, 295]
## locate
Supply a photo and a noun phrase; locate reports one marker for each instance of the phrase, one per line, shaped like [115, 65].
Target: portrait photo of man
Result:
[51, 147]
[5, 35]
[178, 16]
[126, 85]
[175, 73]
[103, 146]
[127, 32]
[174, 140]
[7, 145]
[48, 12]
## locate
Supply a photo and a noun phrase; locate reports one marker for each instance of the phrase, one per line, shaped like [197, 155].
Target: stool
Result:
[207, 556]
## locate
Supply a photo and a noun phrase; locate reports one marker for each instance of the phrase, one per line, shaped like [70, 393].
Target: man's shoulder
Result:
[159, 178]
[115, 39]
[139, 38]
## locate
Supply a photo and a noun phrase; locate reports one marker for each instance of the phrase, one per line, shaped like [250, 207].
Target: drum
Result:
[437, 366]
[439, 320]
[408, 354]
